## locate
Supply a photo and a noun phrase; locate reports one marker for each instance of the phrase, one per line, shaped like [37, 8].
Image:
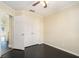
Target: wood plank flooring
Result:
[39, 51]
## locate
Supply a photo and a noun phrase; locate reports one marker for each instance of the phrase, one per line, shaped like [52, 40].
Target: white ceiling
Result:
[53, 6]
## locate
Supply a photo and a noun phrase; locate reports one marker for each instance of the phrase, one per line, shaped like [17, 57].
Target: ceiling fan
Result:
[42, 2]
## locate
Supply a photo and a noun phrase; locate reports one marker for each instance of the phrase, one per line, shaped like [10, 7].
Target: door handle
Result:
[32, 33]
[22, 34]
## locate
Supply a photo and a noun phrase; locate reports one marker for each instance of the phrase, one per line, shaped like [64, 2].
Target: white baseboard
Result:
[26, 45]
[63, 49]
[40, 42]
[9, 46]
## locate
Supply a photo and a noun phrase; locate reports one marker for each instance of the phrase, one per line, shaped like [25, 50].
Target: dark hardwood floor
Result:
[14, 54]
[39, 51]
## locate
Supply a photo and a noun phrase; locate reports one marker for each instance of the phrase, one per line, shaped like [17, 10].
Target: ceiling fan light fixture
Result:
[42, 3]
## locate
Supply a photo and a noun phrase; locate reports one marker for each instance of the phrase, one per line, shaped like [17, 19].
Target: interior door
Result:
[35, 31]
[19, 23]
[31, 36]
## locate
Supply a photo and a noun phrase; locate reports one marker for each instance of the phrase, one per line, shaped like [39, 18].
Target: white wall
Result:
[61, 30]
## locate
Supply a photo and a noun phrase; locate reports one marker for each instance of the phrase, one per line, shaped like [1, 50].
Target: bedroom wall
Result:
[61, 30]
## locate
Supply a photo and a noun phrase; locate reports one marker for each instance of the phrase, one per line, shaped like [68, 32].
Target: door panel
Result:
[19, 24]
[31, 35]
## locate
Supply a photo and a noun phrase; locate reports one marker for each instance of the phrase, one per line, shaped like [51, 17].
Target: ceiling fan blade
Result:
[45, 4]
[36, 3]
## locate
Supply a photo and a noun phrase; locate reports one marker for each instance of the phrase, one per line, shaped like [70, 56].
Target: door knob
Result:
[22, 34]
[32, 33]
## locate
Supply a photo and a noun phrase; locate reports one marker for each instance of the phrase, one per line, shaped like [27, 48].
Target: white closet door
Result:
[31, 36]
[19, 24]
[35, 31]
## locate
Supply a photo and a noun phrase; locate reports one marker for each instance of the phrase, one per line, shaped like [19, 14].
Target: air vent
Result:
[32, 10]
